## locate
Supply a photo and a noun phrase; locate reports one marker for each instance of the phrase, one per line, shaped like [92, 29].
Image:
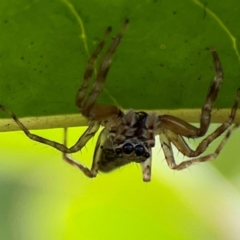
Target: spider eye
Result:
[139, 150]
[127, 148]
[118, 151]
[146, 155]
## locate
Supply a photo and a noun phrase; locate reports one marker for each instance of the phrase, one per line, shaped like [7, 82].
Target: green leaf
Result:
[161, 63]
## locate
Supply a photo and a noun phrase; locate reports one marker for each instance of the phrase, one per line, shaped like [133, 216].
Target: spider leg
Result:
[99, 161]
[147, 168]
[167, 137]
[167, 150]
[105, 113]
[208, 157]
[179, 142]
[212, 95]
[88, 134]
[71, 161]
[98, 153]
[222, 128]
[108, 113]
[82, 92]
[87, 106]
[183, 128]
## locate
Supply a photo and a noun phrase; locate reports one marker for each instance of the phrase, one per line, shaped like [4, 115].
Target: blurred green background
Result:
[42, 197]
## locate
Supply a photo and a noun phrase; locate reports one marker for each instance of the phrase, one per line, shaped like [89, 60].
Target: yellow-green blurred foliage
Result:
[42, 197]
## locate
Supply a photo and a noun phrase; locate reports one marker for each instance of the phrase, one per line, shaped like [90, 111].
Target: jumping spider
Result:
[130, 137]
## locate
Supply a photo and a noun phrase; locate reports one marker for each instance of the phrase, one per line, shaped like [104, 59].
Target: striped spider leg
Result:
[106, 115]
[172, 129]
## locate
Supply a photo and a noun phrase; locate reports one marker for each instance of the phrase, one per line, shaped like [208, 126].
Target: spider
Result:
[129, 137]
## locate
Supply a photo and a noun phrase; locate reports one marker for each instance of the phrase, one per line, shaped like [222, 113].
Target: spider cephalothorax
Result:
[130, 141]
[135, 136]
[130, 137]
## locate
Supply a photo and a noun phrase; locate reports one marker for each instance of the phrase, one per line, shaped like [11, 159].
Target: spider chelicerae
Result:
[130, 137]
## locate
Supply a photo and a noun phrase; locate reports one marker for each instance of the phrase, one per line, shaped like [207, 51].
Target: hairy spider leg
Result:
[96, 158]
[89, 108]
[151, 125]
[182, 127]
[179, 142]
[208, 157]
[98, 112]
[71, 161]
[94, 125]
[147, 168]
[98, 151]
[82, 95]
[88, 134]
[212, 95]
[171, 137]
[82, 92]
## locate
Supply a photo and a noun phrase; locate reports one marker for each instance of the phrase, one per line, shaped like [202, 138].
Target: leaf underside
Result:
[162, 61]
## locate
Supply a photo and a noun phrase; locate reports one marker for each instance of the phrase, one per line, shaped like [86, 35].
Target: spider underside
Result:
[130, 137]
